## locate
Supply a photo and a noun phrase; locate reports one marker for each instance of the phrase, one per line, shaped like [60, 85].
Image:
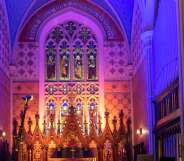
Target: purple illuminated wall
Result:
[4, 74]
[139, 81]
[114, 69]
[165, 54]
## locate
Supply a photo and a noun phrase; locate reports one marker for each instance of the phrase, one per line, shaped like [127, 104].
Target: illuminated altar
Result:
[72, 142]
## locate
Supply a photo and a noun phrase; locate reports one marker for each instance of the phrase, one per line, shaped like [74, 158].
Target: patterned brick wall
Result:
[136, 50]
[26, 61]
[117, 69]
[140, 102]
[116, 57]
[139, 80]
[25, 78]
[21, 89]
[4, 40]
[4, 74]
[5, 104]
[117, 97]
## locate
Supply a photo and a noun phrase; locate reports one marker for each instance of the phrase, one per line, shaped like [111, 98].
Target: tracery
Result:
[71, 53]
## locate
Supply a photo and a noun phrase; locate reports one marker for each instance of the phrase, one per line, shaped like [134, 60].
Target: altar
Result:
[72, 143]
[71, 159]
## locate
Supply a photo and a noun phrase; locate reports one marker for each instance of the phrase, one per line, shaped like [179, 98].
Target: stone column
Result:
[180, 17]
[180, 12]
[147, 39]
[12, 70]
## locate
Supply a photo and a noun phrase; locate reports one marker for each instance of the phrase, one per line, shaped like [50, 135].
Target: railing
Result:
[167, 104]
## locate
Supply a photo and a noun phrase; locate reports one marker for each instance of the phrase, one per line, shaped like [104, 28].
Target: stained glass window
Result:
[91, 49]
[51, 61]
[71, 65]
[64, 108]
[78, 61]
[79, 107]
[84, 34]
[71, 53]
[64, 61]
[79, 111]
[51, 110]
[93, 110]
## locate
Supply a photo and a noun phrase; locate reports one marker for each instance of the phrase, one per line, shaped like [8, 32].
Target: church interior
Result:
[91, 80]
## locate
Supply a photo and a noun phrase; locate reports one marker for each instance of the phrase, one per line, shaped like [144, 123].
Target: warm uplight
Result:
[3, 134]
[141, 131]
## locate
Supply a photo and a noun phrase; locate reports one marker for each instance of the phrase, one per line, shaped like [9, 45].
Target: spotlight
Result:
[3, 134]
[141, 131]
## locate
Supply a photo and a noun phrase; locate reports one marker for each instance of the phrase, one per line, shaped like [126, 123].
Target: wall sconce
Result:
[2, 135]
[141, 131]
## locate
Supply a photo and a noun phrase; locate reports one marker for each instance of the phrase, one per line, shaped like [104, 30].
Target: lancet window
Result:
[71, 65]
[71, 53]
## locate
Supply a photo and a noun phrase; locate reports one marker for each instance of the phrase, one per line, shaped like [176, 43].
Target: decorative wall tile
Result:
[25, 87]
[21, 89]
[19, 105]
[116, 59]
[60, 91]
[117, 86]
[136, 50]
[4, 73]
[117, 97]
[26, 61]
[4, 40]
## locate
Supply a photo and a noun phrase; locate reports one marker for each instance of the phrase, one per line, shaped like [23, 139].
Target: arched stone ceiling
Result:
[120, 10]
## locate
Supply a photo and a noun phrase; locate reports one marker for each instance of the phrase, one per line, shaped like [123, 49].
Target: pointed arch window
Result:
[51, 110]
[78, 61]
[91, 52]
[93, 111]
[71, 53]
[71, 65]
[64, 108]
[51, 60]
[64, 60]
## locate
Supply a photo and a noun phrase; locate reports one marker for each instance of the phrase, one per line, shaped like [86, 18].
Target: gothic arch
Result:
[68, 16]
[30, 28]
[56, 12]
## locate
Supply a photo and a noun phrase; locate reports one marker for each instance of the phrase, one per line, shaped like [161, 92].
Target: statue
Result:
[50, 66]
[91, 67]
[78, 67]
[64, 66]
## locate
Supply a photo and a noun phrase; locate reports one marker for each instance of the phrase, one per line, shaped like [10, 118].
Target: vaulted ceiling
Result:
[120, 10]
